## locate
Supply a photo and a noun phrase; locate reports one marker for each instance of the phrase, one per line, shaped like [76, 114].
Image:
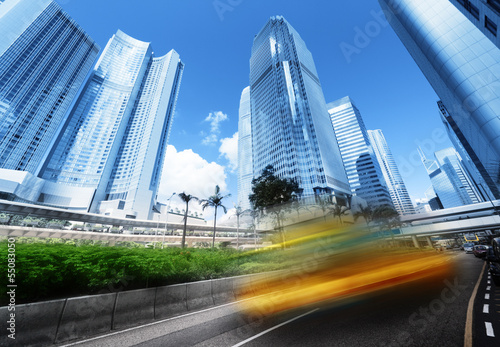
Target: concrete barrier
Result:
[199, 295]
[170, 300]
[242, 286]
[134, 307]
[222, 290]
[36, 324]
[86, 316]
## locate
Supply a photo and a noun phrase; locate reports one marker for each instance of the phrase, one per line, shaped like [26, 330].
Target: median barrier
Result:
[242, 286]
[199, 295]
[222, 290]
[35, 324]
[134, 307]
[86, 316]
[170, 300]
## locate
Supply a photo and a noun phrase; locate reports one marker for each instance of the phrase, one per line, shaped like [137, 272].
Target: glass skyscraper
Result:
[44, 60]
[115, 138]
[290, 126]
[450, 180]
[463, 66]
[361, 166]
[397, 188]
[458, 140]
[485, 14]
[245, 171]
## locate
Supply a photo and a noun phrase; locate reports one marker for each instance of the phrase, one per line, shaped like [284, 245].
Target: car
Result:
[468, 247]
[493, 259]
[480, 251]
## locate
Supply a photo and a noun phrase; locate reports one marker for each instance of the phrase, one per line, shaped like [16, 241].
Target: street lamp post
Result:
[166, 221]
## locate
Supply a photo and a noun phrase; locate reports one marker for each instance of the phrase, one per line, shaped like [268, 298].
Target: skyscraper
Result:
[485, 14]
[463, 67]
[290, 126]
[115, 139]
[44, 60]
[450, 180]
[397, 188]
[460, 142]
[361, 166]
[245, 172]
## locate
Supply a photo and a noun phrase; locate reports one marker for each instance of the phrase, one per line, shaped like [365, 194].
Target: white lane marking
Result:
[487, 296]
[488, 288]
[273, 328]
[489, 282]
[489, 329]
[486, 308]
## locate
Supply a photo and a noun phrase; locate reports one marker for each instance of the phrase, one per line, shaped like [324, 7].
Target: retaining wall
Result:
[64, 320]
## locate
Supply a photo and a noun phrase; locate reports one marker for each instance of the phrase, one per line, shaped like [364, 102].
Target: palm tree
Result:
[338, 211]
[186, 198]
[215, 201]
[239, 212]
[366, 213]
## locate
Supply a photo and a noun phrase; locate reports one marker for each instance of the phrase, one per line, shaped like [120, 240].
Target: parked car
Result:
[493, 259]
[468, 247]
[480, 250]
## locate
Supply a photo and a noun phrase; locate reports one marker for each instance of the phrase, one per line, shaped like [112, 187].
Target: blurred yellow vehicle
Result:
[330, 265]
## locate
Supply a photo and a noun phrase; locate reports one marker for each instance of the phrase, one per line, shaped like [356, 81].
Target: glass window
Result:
[490, 25]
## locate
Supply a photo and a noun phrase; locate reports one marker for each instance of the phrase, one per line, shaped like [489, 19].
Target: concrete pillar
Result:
[415, 241]
[429, 241]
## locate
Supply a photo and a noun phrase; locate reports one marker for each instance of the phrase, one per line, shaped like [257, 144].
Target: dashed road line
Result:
[486, 308]
[487, 296]
[489, 329]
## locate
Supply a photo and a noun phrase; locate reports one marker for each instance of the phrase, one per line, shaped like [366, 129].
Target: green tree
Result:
[270, 195]
[338, 211]
[366, 213]
[186, 198]
[387, 218]
[215, 201]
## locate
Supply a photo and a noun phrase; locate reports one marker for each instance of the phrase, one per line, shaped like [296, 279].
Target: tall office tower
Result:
[245, 172]
[114, 141]
[485, 14]
[450, 180]
[463, 67]
[291, 129]
[44, 59]
[362, 168]
[397, 188]
[459, 142]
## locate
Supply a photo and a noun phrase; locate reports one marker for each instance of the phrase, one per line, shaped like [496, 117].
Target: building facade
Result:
[290, 126]
[44, 60]
[450, 180]
[484, 14]
[463, 66]
[460, 142]
[362, 168]
[115, 139]
[245, 161]
[397, 188]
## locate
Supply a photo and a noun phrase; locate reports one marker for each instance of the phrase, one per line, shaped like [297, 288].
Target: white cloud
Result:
[214, 118]
[229, 150]
[188, 172]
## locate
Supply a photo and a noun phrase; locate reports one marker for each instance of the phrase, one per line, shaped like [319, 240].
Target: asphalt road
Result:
[434, 317]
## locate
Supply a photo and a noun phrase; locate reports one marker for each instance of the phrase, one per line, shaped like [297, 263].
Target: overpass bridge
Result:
[41, 211]
[112, 238]
[464, 219]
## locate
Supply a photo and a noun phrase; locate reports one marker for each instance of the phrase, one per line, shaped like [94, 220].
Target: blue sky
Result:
[355, 51]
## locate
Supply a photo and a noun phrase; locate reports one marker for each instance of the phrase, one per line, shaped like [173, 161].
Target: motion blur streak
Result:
[332, 266]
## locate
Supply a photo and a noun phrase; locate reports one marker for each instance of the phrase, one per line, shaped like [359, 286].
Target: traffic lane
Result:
[421, 320]
[426, 318]
[487, 312]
